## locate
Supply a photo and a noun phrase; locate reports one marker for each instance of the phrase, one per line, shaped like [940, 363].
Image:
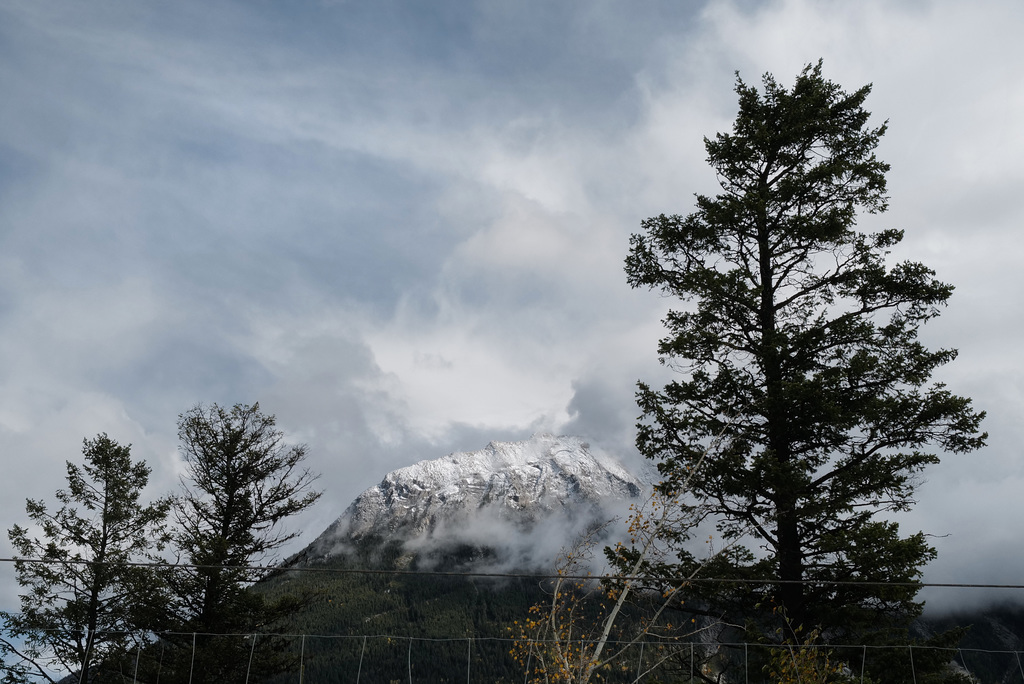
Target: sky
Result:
[400, 226]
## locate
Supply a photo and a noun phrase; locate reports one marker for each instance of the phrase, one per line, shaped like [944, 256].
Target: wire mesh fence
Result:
[193, 658]
[478, 656]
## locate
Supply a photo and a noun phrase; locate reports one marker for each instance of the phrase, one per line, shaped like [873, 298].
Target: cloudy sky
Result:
[400, 225]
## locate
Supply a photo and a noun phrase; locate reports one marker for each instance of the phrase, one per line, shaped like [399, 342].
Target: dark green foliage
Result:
[79, 610]
[799, 345]
[447, 618]
[241, 482]
[429, 610]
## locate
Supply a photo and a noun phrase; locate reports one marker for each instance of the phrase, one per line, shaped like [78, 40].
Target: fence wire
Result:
[419, 651]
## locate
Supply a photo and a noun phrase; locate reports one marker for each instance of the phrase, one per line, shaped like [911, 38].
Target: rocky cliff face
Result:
[507, 491]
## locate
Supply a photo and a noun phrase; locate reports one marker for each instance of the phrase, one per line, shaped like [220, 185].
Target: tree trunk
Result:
[781, 489]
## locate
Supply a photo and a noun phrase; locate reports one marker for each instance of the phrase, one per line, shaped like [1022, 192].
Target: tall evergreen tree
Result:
[798, 342]
[79, 610]
[241, 482]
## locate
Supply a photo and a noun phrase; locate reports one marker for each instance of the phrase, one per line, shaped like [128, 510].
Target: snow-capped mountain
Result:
[507, 489]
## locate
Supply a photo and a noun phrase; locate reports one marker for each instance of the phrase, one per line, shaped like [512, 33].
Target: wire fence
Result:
[401, 659]
[310, 658]
[336, 570]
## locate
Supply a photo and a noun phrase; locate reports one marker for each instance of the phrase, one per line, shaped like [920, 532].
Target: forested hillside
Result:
[439, 613]
[359, 625]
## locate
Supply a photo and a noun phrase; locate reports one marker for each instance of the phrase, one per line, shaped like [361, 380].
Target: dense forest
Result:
[439, 613]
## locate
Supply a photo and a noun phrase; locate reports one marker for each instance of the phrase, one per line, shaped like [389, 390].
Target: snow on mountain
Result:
[541, 486]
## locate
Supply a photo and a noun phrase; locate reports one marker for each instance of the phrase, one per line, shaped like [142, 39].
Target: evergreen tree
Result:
[799, 344]
[79, 611]
[241, 482]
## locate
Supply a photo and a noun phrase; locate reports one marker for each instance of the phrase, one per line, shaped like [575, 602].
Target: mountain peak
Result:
[465, 497]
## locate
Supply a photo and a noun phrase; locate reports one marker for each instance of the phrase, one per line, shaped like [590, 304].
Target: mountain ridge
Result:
[546, 486]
